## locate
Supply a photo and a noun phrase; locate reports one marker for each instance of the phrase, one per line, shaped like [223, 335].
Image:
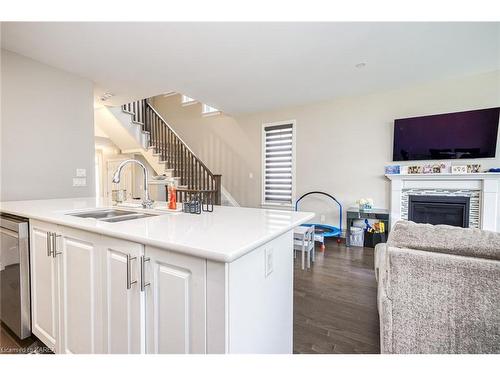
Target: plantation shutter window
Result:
[278, 164]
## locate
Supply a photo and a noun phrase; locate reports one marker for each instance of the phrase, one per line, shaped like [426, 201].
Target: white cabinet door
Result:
[175, 302]
[44, 284]
[123, 308]
[80, 315]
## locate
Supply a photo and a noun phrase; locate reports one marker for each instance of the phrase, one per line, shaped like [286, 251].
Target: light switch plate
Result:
[269, 258]
[81, 172]
[79, 181]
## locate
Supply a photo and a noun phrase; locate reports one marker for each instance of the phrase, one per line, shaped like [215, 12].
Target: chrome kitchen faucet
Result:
[146, 202]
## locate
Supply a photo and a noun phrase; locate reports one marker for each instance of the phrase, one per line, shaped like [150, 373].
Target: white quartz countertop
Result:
[223, 235]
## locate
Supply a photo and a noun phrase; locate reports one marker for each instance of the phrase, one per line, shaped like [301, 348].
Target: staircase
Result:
[169, 150]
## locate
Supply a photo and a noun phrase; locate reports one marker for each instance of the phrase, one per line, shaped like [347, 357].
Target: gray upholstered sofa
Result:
[438, 290]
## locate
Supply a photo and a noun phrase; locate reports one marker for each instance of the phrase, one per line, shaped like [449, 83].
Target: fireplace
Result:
[450, 210]
[483, 189]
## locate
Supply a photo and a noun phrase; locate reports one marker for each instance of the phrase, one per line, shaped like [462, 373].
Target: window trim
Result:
[263, 202]
[211, 110]
[187, 100]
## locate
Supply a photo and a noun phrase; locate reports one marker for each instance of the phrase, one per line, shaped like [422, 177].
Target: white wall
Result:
[342, 145]
[223, 144]
[47, 130]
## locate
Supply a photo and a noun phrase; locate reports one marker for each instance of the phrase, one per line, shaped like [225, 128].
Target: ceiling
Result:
[251, 67]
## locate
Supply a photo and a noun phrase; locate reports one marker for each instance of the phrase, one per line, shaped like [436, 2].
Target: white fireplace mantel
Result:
[486, 183]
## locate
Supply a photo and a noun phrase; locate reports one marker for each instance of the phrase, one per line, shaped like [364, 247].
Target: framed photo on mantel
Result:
[459, 169]
[468, 168]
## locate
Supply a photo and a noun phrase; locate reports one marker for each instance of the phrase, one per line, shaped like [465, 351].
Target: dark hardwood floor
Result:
[10, 344]
[335, 308]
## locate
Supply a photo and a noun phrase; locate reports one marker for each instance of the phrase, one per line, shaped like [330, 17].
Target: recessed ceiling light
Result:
[360, 65]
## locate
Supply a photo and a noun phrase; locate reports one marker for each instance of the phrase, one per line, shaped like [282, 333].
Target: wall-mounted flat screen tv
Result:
[459, 135]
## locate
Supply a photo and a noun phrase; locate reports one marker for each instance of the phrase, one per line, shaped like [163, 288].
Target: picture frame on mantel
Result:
[466, 168]
[473, 168]
[459, 169]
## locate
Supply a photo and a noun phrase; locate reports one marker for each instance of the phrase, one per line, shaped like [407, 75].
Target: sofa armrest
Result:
[379, 258]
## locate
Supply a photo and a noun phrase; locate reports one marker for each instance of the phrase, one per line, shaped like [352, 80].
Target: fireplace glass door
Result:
[450, 210]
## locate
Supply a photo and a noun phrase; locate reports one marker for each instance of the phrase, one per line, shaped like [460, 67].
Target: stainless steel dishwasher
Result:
[15, 275]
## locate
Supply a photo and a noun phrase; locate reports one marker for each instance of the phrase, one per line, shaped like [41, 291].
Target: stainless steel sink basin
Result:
[111, 215]
[126, 217]
[102, 214]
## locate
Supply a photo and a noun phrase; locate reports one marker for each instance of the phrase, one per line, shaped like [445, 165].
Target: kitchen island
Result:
[219, 282]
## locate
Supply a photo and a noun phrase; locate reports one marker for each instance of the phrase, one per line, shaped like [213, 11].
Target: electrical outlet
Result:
[269, 261]
[81, 172]
[250, 175]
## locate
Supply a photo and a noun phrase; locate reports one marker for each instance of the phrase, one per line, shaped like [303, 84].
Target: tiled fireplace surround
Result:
[482, 188]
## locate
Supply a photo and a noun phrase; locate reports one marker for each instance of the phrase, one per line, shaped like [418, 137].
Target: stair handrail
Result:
[180, 139]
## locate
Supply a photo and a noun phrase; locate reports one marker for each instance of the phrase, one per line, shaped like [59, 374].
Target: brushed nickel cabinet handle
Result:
[49, 242]
[143, 273]
[54, 245]
[129, 271]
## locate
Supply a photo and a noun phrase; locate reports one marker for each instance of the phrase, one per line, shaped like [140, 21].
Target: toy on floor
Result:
[374, 233]
[378, 227]
[324, 230]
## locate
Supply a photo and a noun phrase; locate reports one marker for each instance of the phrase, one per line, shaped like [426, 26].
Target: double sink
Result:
[111, 215]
